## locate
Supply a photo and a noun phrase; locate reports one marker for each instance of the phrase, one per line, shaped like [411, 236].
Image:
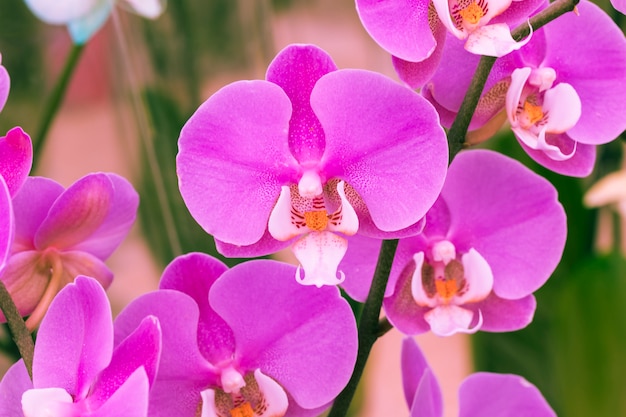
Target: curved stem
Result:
[368, 326]
[458, 130]
[383, 327]
[54, 101]
[19, 331]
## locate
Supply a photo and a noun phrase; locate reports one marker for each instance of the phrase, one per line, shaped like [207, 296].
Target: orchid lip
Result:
[445, 283]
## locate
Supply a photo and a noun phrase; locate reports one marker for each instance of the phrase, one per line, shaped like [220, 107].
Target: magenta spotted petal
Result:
[76, 370]
[308, 157]
[16, 158]
[60, 234]
[247, 333]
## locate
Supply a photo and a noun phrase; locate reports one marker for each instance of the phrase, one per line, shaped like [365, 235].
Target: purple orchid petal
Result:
[194, 274]
[413, 365]
[401, 308]
[234, 154]
[416, 74]
[183, 372]
[140, 350]
[7, 224]
[278, 343]
[267, 244]
[81, 263]
[620, 5]
[118, 221]
[5, 85]
[75, 340]
[596, 68]
[500, 315]
[522, 236]
[77, 213]
[32, 205]
[15, 382]
[579, 165]
[296, 69]
[401, 27]
[130, 399]
[402, 133]
[16, 158]
[427, 401]
[359, 265]
[519, 11]
[25, 282]
[498, 395]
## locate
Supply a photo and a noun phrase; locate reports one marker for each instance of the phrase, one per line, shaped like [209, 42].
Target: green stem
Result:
[368, 326]
[54, 101]
[383, 327]
[17, 326]
[458, 130]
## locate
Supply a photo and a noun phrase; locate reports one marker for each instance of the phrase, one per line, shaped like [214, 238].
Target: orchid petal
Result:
[402, 310]
[276, 342]
[32, 204]
[16, 158]
[81, 263]
[580, 164]
[296, 69]
[521, 236]
[77, 213]
[319, 253]
[595, 67]
[194, 274]
[499, 395]
[75, 340]
[275, 396]
[427, 401]
[396, 194]
[7, 224]
[150, 9]
[14, 383]
[5, 85]
[129, 400]
[60, 12]
[417, 287]
[349, 222]
[401, 27]
[446, 320]
[619, 5]
[494, 40]
[25, 282]
[501, 315]
[267, 244]
[183, 372]
[140, 350]
[117, 223]
[236, 165]
[416, 74]
[413, 364]
[83, 27]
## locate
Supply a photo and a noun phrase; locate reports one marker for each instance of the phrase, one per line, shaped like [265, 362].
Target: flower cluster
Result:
[354, 173]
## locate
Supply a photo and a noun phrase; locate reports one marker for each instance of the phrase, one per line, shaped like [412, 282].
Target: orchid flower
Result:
[16, 157]
[85, 17]
[494, 237]
[60, 234]
[246, 341]
[5, 85]
[562, 94]
[307, 156]
[609, 190]
[482, 394]
[76, 370]
[414, 31]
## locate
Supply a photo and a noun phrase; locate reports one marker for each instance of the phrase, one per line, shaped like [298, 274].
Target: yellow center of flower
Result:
[446, 288]
[316, 220]
[472, 13]
[533, 112]
[243, 410]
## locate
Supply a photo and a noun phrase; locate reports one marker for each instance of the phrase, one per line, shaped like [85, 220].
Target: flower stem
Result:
[458, 130]
[19, 332]
[368, 326]
[54, 101]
